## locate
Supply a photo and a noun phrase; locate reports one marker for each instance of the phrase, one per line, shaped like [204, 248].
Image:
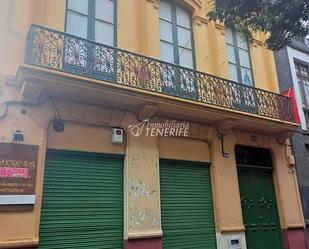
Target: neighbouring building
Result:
[139, 124]
[293, 73]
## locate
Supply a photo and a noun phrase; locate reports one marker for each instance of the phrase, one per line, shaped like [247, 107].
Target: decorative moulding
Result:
[256, 42]
[220, 26]
[199, 20]
[232, 228]
[193, 3]
[147, 111]
[197, 2]
[281, 137]
[146, 234]
[155, 3]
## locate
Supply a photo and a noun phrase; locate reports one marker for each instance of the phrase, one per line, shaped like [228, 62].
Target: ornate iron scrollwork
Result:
[64, 52]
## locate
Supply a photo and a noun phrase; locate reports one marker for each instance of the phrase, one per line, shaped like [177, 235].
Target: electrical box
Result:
[18, 136]
[117, 135]
[233, 242]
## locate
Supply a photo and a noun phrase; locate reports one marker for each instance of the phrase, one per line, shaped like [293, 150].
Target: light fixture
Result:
[58, 125]
[221, 136]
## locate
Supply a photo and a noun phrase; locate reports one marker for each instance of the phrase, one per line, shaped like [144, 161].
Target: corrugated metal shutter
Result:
[186, 205]
[82, 201]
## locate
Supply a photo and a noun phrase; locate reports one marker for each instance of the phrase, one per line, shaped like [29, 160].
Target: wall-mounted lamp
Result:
[58, 125]
[18, 136]
[221, 136]
[289, 155]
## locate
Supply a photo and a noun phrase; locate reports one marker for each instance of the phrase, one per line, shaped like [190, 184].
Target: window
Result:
[300, 39]
[306, 112]
[302, 73]
[238, 58]
[92, 19]
[176, 43]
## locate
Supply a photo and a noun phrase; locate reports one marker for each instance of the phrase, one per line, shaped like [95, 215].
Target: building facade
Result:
[293, 72]
[139, 124]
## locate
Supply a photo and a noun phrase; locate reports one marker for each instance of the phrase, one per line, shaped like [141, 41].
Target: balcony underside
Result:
[81, 89]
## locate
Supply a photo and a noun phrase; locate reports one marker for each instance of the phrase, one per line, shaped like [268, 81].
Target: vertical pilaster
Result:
[228, 213]
[225, 181]
[141, 187]
[199, 26]
[152, 29]
[286, 189]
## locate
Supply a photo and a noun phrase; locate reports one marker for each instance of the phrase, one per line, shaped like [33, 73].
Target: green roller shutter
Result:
[82, 201]
[186, 205]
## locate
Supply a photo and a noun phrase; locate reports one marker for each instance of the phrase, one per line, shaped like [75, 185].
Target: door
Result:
[82, 201]
[259, 208]
[186, 205]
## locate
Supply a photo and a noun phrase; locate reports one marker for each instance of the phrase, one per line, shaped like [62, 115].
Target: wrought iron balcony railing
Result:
[64, 52]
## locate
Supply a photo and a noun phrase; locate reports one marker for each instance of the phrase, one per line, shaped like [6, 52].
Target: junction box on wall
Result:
[233, 242]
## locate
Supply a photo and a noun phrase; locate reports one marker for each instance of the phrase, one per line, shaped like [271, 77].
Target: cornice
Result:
[199, 20]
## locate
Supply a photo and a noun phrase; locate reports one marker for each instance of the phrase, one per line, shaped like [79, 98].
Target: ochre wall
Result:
[137, 30]
[190, 150]
[90, 138]
[290, 210]
[88, 128]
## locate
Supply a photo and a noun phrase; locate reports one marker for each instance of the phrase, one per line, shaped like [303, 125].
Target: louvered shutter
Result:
[82, 201]
[186, 205]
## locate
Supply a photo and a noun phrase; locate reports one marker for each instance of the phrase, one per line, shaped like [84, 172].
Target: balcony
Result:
[54, 50]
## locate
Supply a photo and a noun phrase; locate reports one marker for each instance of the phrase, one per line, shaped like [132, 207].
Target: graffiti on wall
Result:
[143, 218]
[139, 189]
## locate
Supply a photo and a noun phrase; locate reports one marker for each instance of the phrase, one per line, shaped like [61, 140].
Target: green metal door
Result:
[259, 208]
[82, 201]
[186, 205]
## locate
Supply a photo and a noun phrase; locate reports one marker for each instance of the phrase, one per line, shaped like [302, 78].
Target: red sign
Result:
[13, 172]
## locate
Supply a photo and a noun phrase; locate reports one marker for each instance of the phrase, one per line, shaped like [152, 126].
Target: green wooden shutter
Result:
[82, 201]
[186, 205]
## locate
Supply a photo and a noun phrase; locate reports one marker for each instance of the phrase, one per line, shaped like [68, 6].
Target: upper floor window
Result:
[306, 112]
[300, 39]
[238, 58]
[92, 19]
[176, 43]
[302, 73]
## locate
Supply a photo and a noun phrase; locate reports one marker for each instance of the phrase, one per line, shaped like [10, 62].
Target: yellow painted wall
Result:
[16, 18]
[83, 137]
[137, 30]
[190, 149]
[289, 205]
[225, 182]
[88, 128]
